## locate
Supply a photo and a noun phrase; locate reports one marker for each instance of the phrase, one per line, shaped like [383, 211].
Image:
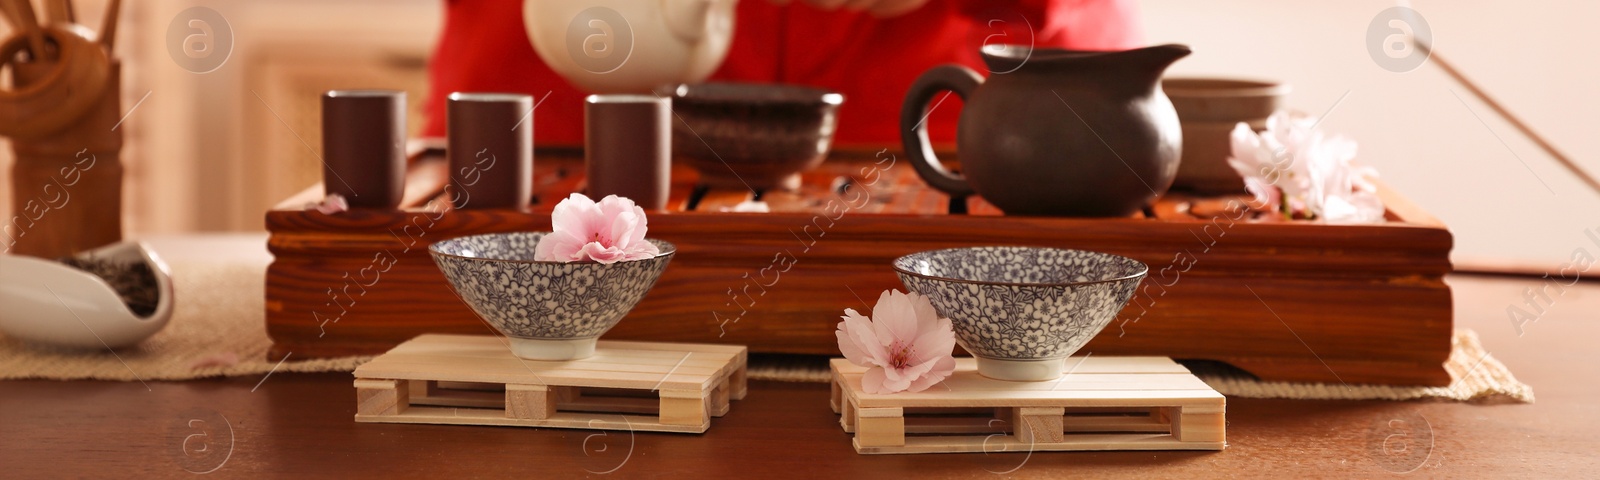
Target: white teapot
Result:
[630, 46]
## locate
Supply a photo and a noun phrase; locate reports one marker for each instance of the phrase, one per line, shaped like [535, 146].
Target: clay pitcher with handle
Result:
[1054, 132]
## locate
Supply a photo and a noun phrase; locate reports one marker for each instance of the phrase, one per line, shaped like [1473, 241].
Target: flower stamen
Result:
[900, 355]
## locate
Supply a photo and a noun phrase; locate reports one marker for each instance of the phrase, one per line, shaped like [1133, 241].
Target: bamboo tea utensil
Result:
[24, 20]
[61, 111]
[58, 11]
[11, 19]
[50, 95]
[108, 27]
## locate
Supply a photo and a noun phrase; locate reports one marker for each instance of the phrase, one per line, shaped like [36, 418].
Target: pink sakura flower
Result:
[606, 232]
[333, 203]
[1295, 169]
[905, 346]
[1340, 189]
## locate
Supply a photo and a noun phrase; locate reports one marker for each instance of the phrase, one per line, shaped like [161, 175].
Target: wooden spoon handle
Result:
[58, 11]
[108, 28]
[11, 19]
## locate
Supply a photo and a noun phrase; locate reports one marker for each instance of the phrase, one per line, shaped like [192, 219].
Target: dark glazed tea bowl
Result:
[1022, 310]
[549, 310]
[753, 135]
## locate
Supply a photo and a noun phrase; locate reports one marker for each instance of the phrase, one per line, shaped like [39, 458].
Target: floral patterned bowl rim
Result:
[666, 249]
[1137, 273]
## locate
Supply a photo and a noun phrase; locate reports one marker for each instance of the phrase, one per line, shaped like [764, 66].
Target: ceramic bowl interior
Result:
[764, 132]
[1022, 303]
[496, 275]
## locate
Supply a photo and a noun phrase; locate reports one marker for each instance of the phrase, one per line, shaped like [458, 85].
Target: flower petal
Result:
[1266, 195]
[894, 318]
[858, 350]
[927, 316]
[860, 331]
[613, 205]
[640, 250]
[599, 253]
[898, 380]
[940, 370]
[558, 246]
[935, 341]
[874, 381]
[636, 234]
[1244, 144]
[574, 215]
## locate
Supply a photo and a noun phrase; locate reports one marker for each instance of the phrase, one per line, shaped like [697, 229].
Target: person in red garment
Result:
[868, 50]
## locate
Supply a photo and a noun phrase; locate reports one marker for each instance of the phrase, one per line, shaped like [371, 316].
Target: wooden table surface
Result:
[301, 425]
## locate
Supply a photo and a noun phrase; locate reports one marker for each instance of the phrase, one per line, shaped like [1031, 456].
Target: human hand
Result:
[878, 8]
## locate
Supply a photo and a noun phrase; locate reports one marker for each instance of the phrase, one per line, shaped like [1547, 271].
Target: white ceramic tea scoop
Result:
[52, 303]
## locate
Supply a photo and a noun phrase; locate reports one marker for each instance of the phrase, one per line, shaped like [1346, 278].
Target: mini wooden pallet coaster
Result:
[1102, 403]
[475, 380]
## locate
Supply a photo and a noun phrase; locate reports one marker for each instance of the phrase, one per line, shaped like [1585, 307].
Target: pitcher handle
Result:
[914, 128]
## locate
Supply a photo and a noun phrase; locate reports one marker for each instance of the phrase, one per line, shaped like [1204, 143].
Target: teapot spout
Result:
[1152, 62]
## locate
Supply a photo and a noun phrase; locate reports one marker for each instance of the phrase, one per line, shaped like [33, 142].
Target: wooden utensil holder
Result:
[66, 187]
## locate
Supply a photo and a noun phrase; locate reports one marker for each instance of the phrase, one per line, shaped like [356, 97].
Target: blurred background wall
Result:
[1531, 56]
[212, 151]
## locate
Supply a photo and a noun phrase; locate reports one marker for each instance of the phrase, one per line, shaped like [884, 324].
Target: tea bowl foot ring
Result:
[553, 349]
[1031, 370]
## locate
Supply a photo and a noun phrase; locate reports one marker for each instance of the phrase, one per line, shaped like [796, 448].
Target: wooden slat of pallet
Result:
[1074, 365]
[533, 402]
[482, 344]
[484, 359]
[608, 364]
[1121, 423]
[1084, 382]
[1090, 398]
[920, 422]
[588, 421]
[1006, 443]
[579, 403]
[381, 397]
[1081, 388]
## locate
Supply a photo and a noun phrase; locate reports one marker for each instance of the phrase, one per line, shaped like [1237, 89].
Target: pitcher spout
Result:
[1141, 66]
[1150, 63]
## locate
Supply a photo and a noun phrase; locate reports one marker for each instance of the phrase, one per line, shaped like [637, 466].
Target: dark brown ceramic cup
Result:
[628, 147]
[491, 150]
[363, 146]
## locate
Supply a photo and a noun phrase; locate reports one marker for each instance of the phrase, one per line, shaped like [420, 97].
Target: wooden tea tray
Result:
[1102, 403]
[475, 380]
[1294, 301]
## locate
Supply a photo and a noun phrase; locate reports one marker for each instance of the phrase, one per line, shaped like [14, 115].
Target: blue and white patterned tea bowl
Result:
[1022, 310]
[549, 310]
